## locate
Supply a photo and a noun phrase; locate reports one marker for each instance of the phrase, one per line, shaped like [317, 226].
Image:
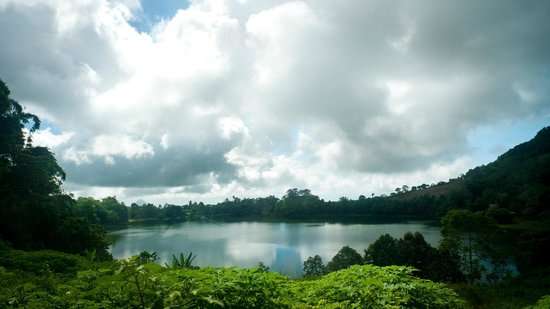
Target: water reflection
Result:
[281, 246]
[287, 261]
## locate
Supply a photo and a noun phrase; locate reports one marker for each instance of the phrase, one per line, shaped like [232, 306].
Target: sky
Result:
[171, 101]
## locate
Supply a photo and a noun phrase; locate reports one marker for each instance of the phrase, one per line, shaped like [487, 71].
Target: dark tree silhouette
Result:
[345, 258]
[34, 212]
[314, 267]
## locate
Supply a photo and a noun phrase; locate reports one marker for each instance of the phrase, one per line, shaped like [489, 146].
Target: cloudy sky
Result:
[172, 100]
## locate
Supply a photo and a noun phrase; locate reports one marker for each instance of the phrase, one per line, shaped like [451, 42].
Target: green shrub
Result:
[370, 286]
[132, 284]
[543, 303]
[228, 288]
[40, 261]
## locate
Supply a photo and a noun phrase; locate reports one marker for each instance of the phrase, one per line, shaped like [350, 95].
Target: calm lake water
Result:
[281, 246]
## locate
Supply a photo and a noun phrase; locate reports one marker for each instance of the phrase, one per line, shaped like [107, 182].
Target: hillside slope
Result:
[518, 180]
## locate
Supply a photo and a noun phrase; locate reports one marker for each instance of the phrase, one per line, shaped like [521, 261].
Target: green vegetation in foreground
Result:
[543, 303]
[37, 281]
[520, 292]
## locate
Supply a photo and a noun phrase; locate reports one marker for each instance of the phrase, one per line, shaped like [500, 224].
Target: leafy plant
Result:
[132, 283]
[370, 286]
[181, 261]
[543, 303]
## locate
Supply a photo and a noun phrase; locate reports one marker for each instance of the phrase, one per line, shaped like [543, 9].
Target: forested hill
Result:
[517, 181]
[516, 184]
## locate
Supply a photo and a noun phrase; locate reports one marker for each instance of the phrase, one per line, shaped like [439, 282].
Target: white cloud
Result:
[75, 156]
[252, 97]
[165, 141]
[49, 139]
[231, 126]
[117, 145]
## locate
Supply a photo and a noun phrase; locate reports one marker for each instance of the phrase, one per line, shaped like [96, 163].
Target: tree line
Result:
[296, 204]
[470, 244]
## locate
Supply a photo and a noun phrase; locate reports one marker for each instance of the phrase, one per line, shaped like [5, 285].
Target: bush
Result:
[543, 303]
[41, 261]
[370, 286]
[132, 284]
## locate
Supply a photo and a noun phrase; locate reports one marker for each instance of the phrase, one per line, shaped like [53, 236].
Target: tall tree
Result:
[34, 212]
[383, 252]
[467, 234]
[314, 267]
[345, 258]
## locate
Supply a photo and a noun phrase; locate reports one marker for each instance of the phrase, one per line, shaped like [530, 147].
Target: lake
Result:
[281, 246]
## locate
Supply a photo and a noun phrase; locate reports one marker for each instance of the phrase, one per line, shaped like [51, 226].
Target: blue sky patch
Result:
[155, 11]
[490, 141]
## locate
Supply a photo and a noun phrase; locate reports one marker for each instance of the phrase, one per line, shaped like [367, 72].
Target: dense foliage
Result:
[437, 264]
[34, 212]
[345, 258]
[543, 303]
[511, 293]
[294, 205]
[134, 283]
[519, 180]
[105, 212]
[314, 267]
[467, 234]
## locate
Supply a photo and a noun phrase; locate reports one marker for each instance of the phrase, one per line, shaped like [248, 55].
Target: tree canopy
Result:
[34, 211]
[345, 258]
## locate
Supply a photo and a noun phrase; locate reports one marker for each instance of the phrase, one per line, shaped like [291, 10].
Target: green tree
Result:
[467, 235]
[117, 212]
[314, 267]
[415, 251]
[345, 258]
[86, 208]
[383, 252]
[34, 212]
